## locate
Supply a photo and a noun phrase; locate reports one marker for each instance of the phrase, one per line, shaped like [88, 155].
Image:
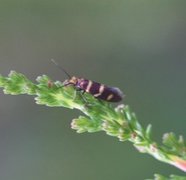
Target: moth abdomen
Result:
[100, 91]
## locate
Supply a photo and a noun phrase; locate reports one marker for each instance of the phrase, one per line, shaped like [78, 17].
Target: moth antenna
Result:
[61, 68]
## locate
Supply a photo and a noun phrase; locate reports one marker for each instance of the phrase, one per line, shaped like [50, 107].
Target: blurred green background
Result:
[138, 46]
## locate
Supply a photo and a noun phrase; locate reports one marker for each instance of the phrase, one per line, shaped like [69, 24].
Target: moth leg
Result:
[81, 92]
[87, 104]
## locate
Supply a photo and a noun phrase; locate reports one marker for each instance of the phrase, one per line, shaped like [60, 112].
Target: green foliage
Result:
[17, 83]
[174, 145]
[119, 122]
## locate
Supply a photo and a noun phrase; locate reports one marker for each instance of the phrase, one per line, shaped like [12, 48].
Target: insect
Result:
[99, 91]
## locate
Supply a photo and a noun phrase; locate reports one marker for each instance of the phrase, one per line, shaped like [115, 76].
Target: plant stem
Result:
[120, 122]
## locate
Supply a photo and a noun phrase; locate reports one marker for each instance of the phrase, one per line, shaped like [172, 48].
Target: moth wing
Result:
[116, 90]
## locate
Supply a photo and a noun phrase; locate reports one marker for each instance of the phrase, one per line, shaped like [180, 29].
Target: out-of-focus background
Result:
[138, 46]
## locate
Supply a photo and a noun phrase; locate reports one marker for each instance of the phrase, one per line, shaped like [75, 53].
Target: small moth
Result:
[98, 90]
